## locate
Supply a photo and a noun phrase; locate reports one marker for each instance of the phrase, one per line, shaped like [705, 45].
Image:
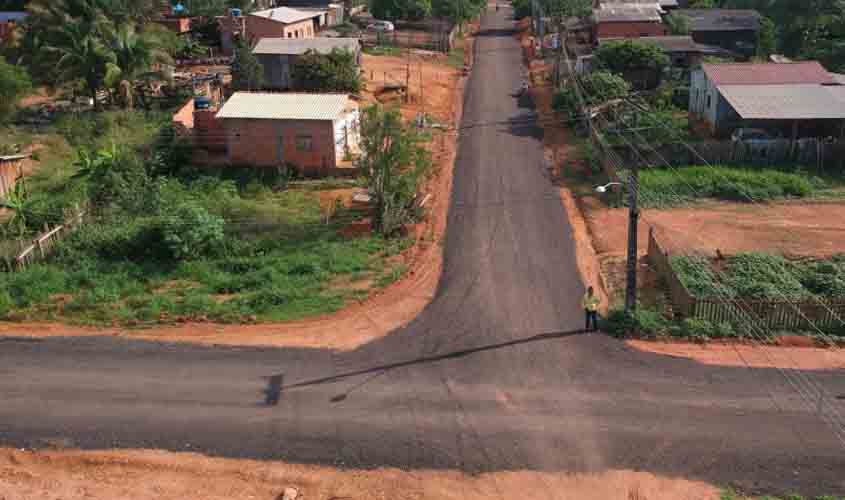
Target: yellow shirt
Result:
[591, 303]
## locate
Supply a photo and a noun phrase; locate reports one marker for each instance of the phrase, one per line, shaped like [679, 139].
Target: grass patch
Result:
[680, 186]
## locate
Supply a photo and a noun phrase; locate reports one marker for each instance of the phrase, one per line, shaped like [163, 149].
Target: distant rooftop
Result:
[620, 13]
[768, 73]
[286, 15]
[286, 106]
[296, 46]
[722, 19]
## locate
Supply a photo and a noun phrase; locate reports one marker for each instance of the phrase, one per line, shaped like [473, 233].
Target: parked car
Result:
[383, 26]
[751, 134]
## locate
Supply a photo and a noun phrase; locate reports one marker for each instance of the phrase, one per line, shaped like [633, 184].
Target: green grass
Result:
[278, 272]
[684, 185]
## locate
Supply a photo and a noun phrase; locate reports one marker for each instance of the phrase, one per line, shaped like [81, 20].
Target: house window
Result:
[304, 143]
[708, 100]
[290, 35]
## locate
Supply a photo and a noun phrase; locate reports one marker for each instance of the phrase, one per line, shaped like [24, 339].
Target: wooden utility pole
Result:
[633, 222]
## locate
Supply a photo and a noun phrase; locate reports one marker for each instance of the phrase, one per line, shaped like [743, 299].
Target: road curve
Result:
[575, 403]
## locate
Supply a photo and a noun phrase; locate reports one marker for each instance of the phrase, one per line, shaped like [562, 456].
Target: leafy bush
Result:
[14, 84]
[763, 276]
[190, 232]
[697, 276]
[702, 329]
[336, 71]
[629, 55]
[643, 322]
[599, 87]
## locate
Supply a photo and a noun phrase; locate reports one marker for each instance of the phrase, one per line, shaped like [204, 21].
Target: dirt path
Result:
[361, 323]
[752, 356]
[800, 229]
[156, 475]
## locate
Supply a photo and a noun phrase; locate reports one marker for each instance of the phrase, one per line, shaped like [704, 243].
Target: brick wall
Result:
[258, 27]
[10, 172]
[256, 142]
[209, 132]
[630, 30]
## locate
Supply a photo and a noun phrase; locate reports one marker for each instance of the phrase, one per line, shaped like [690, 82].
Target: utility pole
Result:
[633, 222]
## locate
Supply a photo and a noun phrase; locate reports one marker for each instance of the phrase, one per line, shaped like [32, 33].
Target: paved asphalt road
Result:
[576, 403]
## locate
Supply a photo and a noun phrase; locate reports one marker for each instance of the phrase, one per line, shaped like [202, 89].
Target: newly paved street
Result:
[574, 403]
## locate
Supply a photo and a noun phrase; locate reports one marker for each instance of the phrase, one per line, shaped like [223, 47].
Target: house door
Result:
[280, 147]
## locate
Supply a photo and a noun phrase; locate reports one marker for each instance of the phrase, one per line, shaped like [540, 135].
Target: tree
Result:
[247, 72]
[628, 55]
[336, 71]
[82, 55]
[134, 55]
[767, 39]
[400, 9]
[393, 163]
[459, 11]
[597, 88]
[14, 84]
[678, 24]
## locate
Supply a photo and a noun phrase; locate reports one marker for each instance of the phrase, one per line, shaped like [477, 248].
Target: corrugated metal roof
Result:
[617, 13]
[287, 106]
[13, 16]
[285, 15]
[722, 19]
[784, 102]
[287, 46]
[767, 73]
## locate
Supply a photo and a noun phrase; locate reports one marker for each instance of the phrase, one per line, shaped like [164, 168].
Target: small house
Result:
[8, 22]
[733, 30]
[312, 132]
[284, 22]
[665, 5]
[628, 21]
[278, 55]
[787, 100]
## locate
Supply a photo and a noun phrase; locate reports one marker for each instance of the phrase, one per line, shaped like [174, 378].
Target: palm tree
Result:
[135, 54]
[82, 55]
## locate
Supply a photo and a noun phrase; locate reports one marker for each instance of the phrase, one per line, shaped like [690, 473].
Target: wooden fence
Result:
[41, 246]
[768, 314]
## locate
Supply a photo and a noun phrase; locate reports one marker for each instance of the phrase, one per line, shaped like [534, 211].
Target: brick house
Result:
[8, 21]
[628, 21]
[278, 55]
[312, 132]
[283, 22]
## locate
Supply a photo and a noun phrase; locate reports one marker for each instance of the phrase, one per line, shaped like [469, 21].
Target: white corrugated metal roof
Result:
[614, 13]
[284, 46]
[287, 106]
[285, 15]
[784, 102]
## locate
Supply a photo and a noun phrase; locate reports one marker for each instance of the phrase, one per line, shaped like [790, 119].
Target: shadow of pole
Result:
[275, 382]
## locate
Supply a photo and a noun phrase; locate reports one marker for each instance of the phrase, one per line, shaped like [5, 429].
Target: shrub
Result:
[763, 276]
[190, 232]
[698, 329]
[644, 322]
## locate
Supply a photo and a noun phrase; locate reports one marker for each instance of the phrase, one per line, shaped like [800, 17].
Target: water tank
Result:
[235, 12]
[202, 103]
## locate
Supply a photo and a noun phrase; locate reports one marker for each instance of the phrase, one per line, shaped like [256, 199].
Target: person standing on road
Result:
[591, 308]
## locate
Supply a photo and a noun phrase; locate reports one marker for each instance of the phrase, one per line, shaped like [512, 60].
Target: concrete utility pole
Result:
[633, 222]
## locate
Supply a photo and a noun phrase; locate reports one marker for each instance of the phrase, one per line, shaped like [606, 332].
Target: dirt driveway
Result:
[794, 229]
[157, 475]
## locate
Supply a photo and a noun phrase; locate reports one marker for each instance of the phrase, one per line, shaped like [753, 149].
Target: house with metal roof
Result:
[284, 22]
[310, 132]
[790, 100]
[278, 55]
[732, 29]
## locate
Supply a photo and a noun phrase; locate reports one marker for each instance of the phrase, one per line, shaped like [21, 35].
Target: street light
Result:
[603, 189]
[633, 219]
